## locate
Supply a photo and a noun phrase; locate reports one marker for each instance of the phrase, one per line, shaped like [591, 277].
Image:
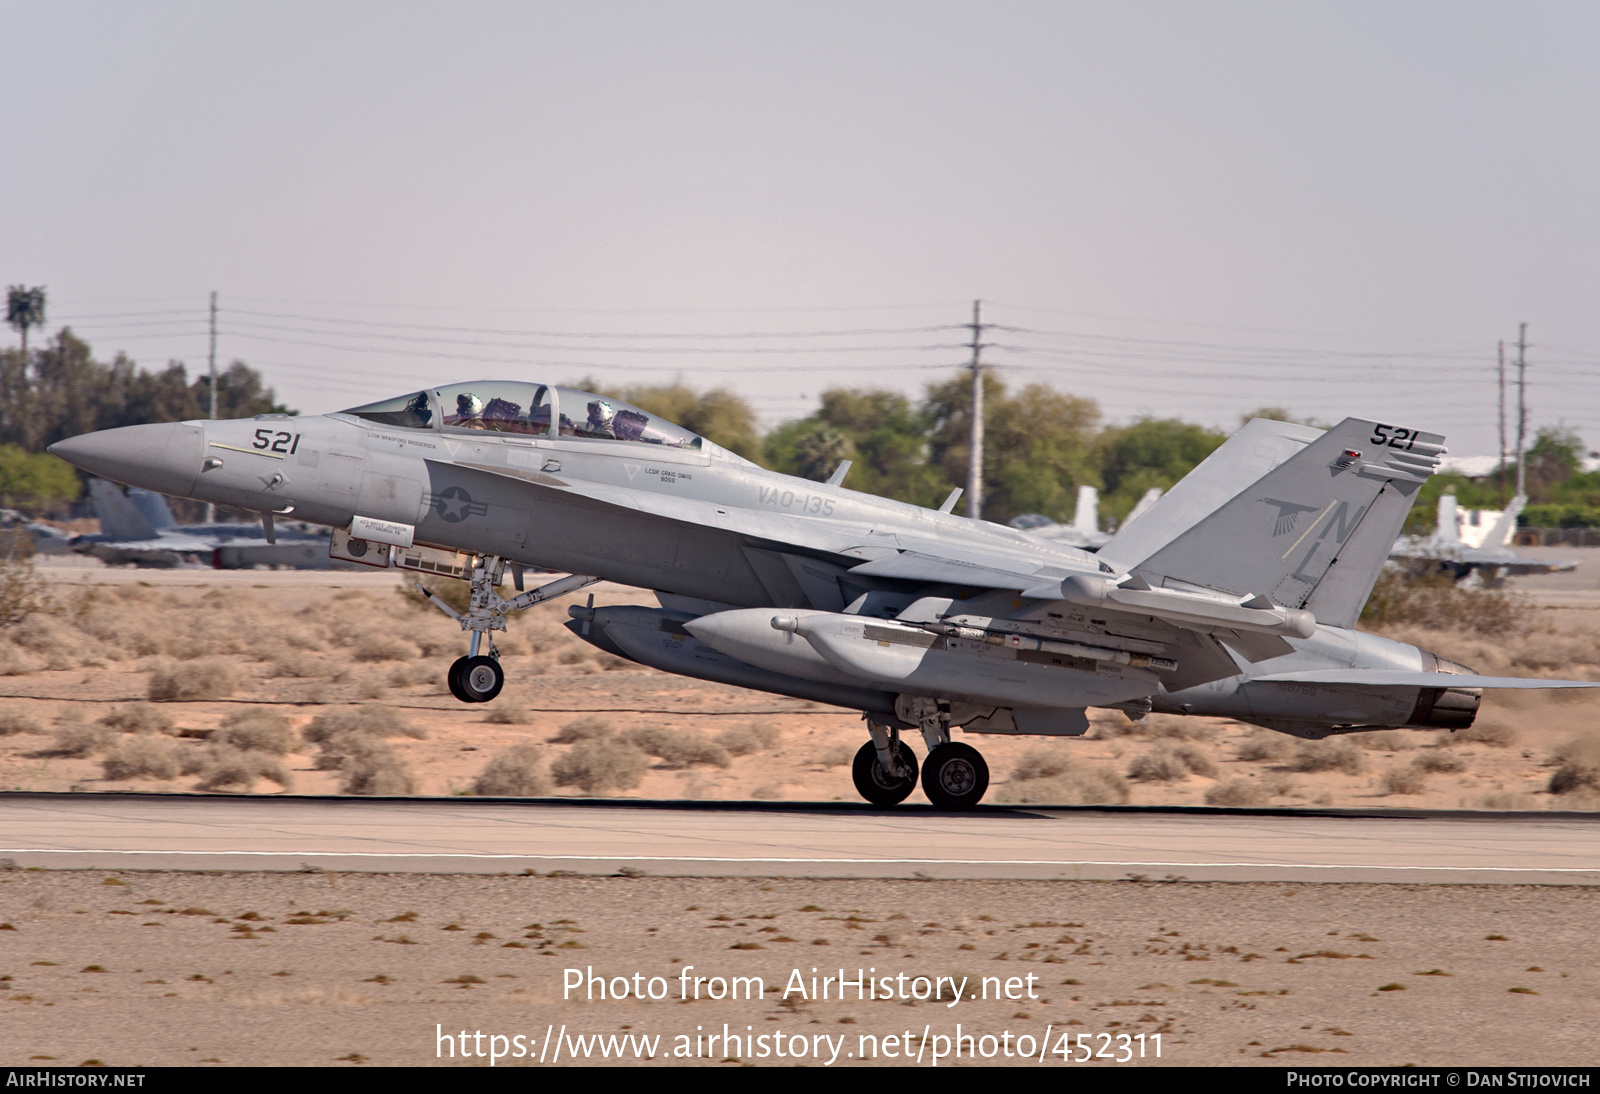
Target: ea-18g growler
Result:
[1235, 594]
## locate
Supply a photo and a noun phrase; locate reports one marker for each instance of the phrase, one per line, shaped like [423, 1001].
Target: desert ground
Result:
[332, 683]
[325, 683]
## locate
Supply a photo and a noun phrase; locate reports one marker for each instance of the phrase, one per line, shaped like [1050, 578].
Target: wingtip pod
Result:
[1189, 608]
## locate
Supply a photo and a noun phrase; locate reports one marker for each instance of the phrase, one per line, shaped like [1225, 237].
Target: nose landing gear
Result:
[476, 678]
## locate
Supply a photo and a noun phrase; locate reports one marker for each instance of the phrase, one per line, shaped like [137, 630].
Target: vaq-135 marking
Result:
[1235, 594]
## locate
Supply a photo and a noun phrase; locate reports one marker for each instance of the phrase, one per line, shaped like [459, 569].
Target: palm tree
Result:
[24, 309]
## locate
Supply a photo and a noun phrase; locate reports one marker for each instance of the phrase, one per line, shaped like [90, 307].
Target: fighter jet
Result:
[1235, 594]
[138, 528]
[1466, 549]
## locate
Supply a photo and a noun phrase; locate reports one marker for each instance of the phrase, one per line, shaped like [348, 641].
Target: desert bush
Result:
[374, 769]
[22, 591]
[517, 773]
[1167, 763]
[1040, 763]
[351, 740]
[142, 755]
[1265, 746]
[382, 647]
[15, 661]
[1405, 779]
[373, 721]
[257, 729]
[1387, 740]
[588, 728]
[749, 739]
[1579, 767]
[1239, 793]
[601, 764]
[508, 714]
[1493, 734]
[837, 756]
[15, 720]
[224, 767]
[1439, 760]
[1314, 756]
[675, 748]
[1437, 601]
[1158, 726]
[1509, 800]
[1083, 785]
[139, 718]
[77, 739]
[191, 681]
[300, 665]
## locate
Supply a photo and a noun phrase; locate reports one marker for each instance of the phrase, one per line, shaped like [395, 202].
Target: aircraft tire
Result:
[877, 785]
[955, 776]
[476, 679]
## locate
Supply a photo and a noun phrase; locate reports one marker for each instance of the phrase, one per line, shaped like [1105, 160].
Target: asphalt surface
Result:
[452, 836]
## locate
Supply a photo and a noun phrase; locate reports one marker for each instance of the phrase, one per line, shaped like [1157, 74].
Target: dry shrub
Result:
[46, 636]
[1437, 601]
[1493, 734]
[610, 662]
[300, 665]
[231, 767]
[1405, 779]
[372, 768]
[15, 720]
[837, 756]
[139, 718]
[1509, 800]
[77, 739]
[1314, 756]
[588, 728]
[14, 661]
[1386, 740]
[600, 764]
[749, 739]
[1087, 785]
[517, 773]
[1579, 768]
[383, 647]
[1174, 727]
[1167, 763]
[1265, 746]
[191, 681]
[374, 721]
[354, 736]
[1239, 793]
[144, 755]
[677, 749]
[508, 715]
[257, 729]
[22, 591]
[1439, 760]
[372, 688]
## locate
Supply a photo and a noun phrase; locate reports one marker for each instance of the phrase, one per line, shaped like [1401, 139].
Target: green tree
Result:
[24, 309]
[882, 432]
[1152, 452]
[35, 480]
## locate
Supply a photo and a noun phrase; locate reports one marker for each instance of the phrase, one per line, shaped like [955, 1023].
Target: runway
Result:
[680, 839]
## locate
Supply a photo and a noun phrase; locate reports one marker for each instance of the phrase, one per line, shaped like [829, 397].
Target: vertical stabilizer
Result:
[1447, 530]
[119, 517]
[1506, 527]
[1314, 532]
[1086, 515]
[153, 507]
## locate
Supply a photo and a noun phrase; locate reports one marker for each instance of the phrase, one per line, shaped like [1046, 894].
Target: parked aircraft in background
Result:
[46, 539]
[1084, 531]
[1473, 544]
[138, 528]
[1235, 594]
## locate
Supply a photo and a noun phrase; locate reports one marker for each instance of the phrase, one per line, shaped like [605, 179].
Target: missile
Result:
[1189, 608]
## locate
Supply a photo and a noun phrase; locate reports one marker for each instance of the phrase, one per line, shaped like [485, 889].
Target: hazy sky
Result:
[1178, 209]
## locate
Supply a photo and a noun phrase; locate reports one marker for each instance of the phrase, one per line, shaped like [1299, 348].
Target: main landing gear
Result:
[477, 678]
[954, 776]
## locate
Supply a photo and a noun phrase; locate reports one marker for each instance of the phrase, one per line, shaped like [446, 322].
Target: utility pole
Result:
[1501, 466]
[975, 441]
[211, 510]
[1522, 407]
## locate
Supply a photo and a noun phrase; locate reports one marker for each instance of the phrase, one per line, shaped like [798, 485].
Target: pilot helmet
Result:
[601, 412]
[468, 406]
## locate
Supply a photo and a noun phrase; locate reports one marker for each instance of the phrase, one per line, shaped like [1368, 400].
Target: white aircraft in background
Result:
[1475, 544]
[1084, 531]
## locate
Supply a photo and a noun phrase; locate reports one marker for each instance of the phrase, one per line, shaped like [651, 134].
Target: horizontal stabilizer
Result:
[1398, 678]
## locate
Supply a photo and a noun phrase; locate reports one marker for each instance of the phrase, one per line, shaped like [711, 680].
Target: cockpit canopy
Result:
[510, 406]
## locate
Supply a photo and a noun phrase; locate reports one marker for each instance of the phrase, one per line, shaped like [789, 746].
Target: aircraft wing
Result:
[1407, 679]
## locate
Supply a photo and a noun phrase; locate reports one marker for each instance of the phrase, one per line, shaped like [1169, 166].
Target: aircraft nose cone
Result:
[164, 458]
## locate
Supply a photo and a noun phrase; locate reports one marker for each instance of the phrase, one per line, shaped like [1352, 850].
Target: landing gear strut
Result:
[954, 776]
[477, 678]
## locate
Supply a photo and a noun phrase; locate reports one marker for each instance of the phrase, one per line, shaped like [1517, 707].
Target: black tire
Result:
[955, 777]
[877, 785]
[476, 679]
